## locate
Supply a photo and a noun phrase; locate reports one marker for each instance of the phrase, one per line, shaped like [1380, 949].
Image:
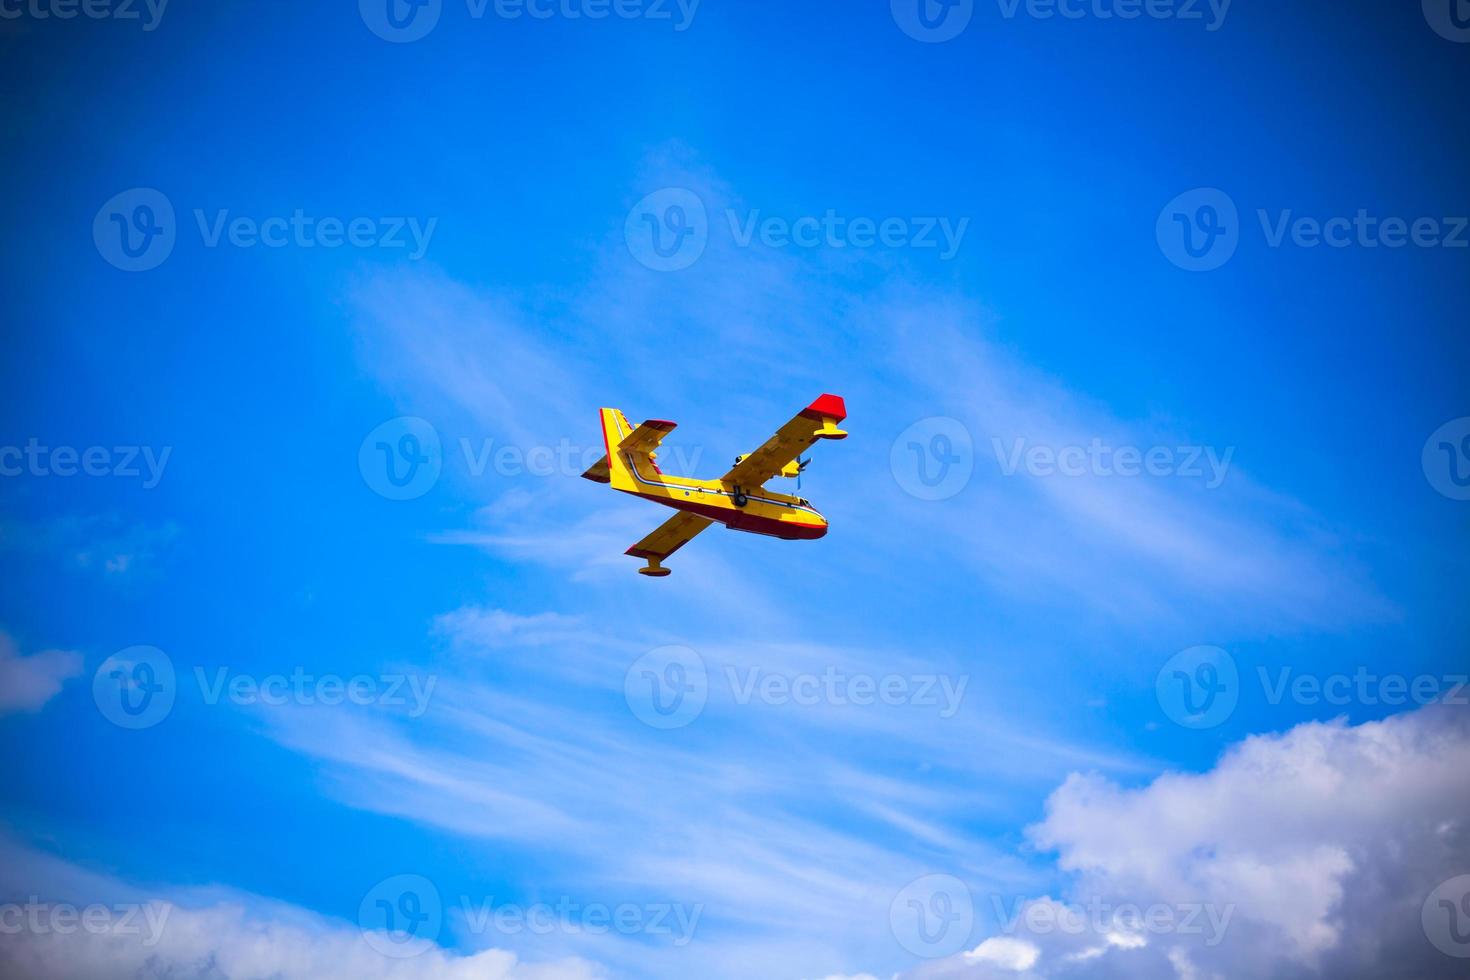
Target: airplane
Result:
[737, 500]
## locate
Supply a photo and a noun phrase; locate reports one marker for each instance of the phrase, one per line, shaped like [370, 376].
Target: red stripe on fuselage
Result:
[738, 520]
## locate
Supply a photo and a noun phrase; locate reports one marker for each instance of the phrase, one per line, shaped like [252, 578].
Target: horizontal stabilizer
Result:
[646, 437]
[598, 472]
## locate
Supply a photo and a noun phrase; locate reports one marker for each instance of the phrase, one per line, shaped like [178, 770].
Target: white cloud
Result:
[228, 943]
[1005, 952]
[27, 683]
[1308, 852]
[238, 937]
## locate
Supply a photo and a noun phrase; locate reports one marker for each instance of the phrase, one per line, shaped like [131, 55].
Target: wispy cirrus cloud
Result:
[1128, 545]
[488, 628]
[790, 823]
[1229, 549]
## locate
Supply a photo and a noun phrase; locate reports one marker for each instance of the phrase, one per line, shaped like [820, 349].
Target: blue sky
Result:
[1303, 519]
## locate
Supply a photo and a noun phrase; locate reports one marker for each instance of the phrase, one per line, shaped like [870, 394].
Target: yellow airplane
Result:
[737, 500]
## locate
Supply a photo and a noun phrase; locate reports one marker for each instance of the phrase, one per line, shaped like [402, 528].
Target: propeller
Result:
[801, 465]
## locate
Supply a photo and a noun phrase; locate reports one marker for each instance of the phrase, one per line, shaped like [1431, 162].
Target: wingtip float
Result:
[738, 500]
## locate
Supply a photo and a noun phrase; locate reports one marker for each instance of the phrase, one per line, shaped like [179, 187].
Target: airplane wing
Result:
[817, 421]
[666, 539]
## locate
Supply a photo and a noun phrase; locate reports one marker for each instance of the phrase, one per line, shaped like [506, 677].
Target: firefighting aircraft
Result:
[737, 500]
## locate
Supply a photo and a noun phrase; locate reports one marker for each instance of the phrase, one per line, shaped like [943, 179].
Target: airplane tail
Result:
[630, 450]
[613, 467]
